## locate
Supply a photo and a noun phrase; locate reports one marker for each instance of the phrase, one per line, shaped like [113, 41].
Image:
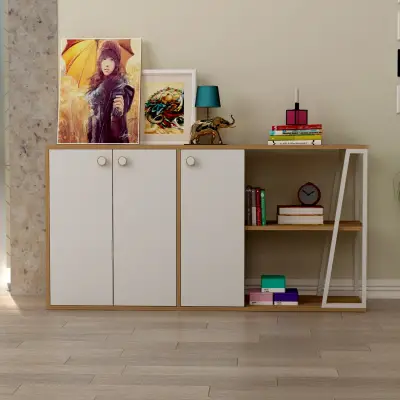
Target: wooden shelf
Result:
[346, 226]
[312, 303]
[209, 147]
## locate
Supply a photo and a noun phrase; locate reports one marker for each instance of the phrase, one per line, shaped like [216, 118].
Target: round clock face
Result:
[309, 194]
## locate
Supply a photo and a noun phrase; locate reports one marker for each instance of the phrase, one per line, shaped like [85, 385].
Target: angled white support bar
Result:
[364, 211]
[336, 227]
[331, 217]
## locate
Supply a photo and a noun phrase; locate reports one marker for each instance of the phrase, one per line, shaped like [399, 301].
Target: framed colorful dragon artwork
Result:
[168, 106]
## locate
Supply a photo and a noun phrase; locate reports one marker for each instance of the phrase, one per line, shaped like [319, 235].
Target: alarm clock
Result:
[309, 194]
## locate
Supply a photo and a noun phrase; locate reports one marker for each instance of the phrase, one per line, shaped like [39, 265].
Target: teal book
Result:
[263, 208]
[273, 283]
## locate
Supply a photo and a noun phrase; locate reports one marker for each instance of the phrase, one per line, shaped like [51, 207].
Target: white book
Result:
[287, 210]
[273, 290]
[294, 142]
[286, 303]
[261, 303]
[300, 219]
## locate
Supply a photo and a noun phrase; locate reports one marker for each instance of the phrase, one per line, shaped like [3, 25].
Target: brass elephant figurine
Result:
[209, 127]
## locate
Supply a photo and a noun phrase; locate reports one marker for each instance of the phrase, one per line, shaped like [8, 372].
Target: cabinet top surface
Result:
[208, 147]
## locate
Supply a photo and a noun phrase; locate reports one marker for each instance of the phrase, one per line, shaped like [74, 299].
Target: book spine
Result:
[298, 137]
[263, 208]
[294, 142]
[248, 205]
[258, 206]
[253, 207]
[297, 132]
[295, 127]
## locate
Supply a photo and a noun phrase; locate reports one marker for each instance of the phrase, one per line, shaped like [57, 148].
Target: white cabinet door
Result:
[81, 227]
[212, 227]
[145, 227]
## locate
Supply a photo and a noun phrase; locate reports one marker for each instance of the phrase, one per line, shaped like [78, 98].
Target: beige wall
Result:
[341, 53]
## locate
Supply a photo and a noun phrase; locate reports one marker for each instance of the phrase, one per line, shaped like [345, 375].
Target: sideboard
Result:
[162, 227]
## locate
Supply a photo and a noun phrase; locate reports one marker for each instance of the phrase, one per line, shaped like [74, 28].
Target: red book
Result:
[295, 127]
[258, 206]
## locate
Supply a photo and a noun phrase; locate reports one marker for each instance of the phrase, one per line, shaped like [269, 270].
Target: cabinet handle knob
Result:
[190, 161]
[122, 161]
[102, 161]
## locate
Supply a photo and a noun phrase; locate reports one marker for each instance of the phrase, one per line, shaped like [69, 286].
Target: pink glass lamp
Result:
[296, 116]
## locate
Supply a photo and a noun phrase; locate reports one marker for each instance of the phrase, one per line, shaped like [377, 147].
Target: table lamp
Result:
[207, 97]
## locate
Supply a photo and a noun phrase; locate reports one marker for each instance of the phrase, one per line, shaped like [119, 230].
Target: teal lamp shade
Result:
[208, 97]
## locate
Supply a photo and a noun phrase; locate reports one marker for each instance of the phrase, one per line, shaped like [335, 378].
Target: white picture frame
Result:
[155, 83]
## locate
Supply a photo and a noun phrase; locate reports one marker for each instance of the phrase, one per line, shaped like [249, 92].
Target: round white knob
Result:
[190, 161]
[102, 161]
[122, 161]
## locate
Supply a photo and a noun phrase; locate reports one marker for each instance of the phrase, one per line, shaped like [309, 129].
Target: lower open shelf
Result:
[313, 303]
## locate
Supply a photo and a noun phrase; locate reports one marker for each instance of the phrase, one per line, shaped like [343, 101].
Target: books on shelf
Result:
[255, 206]
[294, 142]
[273, 291]
[287, 132]
[297, 137]
[259, 298]
[300, 210]
[289, 298]
[296, 127]
[273, 283]
[258, 206]
[300, 219]
[283, 135]
[300, 215]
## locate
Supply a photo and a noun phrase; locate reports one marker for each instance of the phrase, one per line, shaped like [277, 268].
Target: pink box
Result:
[260, 298]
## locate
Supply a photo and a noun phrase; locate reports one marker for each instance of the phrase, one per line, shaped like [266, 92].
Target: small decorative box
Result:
[289, 298]
[273, 283]
[259, 298]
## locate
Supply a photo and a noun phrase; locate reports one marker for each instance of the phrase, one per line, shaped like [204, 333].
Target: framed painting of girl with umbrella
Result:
[99, 98]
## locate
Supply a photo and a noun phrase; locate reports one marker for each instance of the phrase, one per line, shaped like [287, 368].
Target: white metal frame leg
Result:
[364, 154]
[364, 232]
[357, 217]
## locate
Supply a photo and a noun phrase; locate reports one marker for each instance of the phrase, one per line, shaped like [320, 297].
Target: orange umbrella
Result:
[80, 57]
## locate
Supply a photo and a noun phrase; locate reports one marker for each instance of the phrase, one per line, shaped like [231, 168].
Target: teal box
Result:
[273, 283]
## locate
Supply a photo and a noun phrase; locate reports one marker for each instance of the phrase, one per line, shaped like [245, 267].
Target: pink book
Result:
[256, 297]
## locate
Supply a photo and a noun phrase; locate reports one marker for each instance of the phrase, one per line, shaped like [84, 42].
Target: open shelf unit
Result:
[321, 301]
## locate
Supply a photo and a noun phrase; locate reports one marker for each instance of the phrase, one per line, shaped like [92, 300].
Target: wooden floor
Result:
[92, 355]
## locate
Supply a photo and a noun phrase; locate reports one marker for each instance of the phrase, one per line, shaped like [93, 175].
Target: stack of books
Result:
[273, 291]
[300, 215]
[255, 206]
[296, 135]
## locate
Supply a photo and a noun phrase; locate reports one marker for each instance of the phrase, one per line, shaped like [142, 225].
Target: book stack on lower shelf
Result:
[308, 135]
[300, 215]
[273, 291]
[255, 206]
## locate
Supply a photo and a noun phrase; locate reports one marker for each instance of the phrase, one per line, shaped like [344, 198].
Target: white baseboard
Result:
[376, 288]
